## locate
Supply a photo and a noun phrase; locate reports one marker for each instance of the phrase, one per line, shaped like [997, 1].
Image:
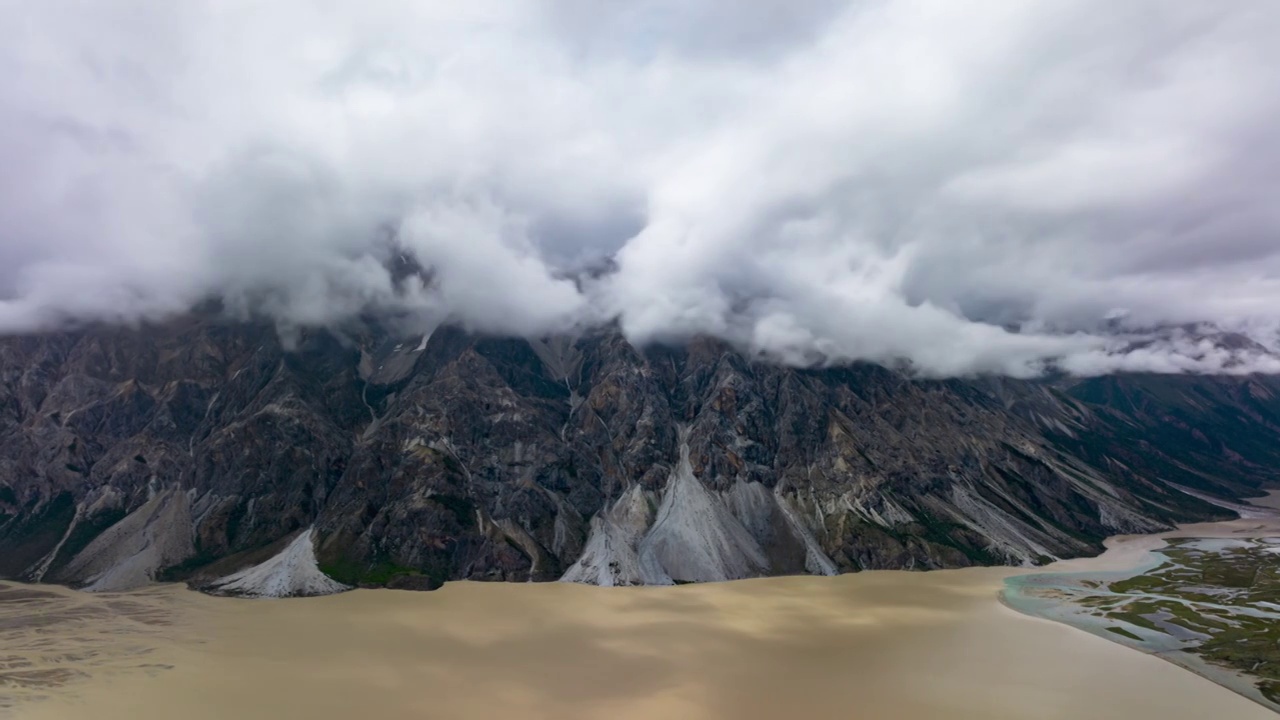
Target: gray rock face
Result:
[695, 538]
[201, 449]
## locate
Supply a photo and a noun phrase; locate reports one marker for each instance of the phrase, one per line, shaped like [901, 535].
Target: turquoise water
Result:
[1050, 595]
[1060, 596]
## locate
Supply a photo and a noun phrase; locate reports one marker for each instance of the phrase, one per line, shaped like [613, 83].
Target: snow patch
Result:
[293, 572]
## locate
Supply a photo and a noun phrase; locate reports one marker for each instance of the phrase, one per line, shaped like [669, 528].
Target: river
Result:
[893, 645]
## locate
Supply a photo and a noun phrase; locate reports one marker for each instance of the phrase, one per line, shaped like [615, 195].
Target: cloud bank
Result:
[994, 187]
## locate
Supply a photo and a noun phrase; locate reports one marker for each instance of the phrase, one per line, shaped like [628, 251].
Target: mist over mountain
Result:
[1066, 186]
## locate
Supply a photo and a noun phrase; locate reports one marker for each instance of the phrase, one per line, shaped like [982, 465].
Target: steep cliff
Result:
[205, 450]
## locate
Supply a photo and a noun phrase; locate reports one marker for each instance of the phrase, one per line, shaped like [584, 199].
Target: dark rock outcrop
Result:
[196, 449]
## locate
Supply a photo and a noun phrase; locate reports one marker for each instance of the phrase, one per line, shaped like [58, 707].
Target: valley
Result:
[1207, 600]
[877, 644]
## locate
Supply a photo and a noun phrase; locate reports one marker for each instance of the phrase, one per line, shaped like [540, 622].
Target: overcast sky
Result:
[983, 186]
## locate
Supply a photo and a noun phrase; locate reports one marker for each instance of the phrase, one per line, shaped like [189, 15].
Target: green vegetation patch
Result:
[1212, 598]
[1123, 633]
[381, 573]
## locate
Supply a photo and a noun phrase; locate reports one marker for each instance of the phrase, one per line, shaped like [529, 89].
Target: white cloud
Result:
[962, 187]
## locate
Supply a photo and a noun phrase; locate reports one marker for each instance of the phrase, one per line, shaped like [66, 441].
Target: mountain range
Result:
[211, 451]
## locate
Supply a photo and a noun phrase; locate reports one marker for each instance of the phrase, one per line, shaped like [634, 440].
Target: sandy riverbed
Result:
[894, 645]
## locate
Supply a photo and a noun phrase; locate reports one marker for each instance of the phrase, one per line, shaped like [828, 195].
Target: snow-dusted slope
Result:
[292, 572]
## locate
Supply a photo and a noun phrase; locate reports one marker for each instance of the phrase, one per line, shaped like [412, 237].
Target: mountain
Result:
[206, 450]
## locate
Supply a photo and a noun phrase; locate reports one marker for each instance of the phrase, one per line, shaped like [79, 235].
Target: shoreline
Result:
[1221, 675]
[1268, 503]
[724, 651]
[1142, 552]
[756, 648]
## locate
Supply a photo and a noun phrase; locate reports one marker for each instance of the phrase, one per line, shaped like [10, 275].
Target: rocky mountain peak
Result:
[203, 449]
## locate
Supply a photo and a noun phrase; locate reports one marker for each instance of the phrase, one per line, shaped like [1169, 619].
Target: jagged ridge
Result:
[194, 448]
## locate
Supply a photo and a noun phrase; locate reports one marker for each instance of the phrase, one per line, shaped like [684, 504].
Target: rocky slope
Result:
[205, 450]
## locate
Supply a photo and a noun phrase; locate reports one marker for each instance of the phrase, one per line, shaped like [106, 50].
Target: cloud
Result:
[993, 187]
